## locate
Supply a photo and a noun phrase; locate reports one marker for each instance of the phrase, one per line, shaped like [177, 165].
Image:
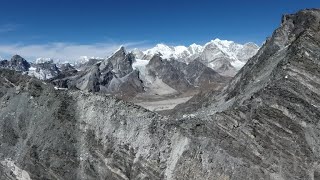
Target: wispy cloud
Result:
[66, 51]
[8, 28]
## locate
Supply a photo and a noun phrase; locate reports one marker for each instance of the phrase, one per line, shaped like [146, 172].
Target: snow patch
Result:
[84, 59]
[63, 89]
[238, 64]
[20, 174]
[43, 60]
[140, 65]
[306, 53]
[40, 73]
[188, 116]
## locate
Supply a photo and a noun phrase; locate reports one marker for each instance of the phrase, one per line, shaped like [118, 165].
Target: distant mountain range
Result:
[225, 57]
[161, 70]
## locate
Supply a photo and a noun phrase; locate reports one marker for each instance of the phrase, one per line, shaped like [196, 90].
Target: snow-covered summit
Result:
[195, 48]
[230, 49]
[84, 59]
[138, 53]
[166, 52]
[43, 60]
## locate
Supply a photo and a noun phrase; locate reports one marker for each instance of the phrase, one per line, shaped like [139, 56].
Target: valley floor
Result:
[162, 102]
[160, 105]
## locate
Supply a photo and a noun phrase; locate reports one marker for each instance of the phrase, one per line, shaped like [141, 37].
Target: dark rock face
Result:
[89, 81]
[16, 63]
[19, 64]
[163, 69]
[121, 63]
[182, 76]
[4, 64]
[200, 75]
[127, 86]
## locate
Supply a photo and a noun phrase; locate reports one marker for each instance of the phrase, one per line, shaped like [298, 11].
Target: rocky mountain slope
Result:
[181, 76]
[50, 134]
[268, 116]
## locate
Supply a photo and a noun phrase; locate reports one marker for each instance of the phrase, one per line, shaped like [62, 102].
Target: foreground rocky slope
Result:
[51, 134]
[265, 124]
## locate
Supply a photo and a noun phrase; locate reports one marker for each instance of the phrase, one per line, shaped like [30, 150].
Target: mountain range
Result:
[225, 57]
[162, 70]
[262, 124]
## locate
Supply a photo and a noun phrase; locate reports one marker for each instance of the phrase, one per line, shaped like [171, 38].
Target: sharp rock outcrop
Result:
[114, 75]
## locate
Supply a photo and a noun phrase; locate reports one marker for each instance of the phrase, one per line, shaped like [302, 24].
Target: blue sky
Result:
[99, 27]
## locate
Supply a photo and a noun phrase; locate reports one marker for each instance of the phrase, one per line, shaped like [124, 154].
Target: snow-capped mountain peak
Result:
[226, 52]
[138, 53]
[180, 49]
[43, 60]
[195, 48]
[84, 59]
[222, 43]
[229, 48]
[166, 51]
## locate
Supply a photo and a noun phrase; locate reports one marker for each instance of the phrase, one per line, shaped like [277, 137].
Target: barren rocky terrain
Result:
[263, 125]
